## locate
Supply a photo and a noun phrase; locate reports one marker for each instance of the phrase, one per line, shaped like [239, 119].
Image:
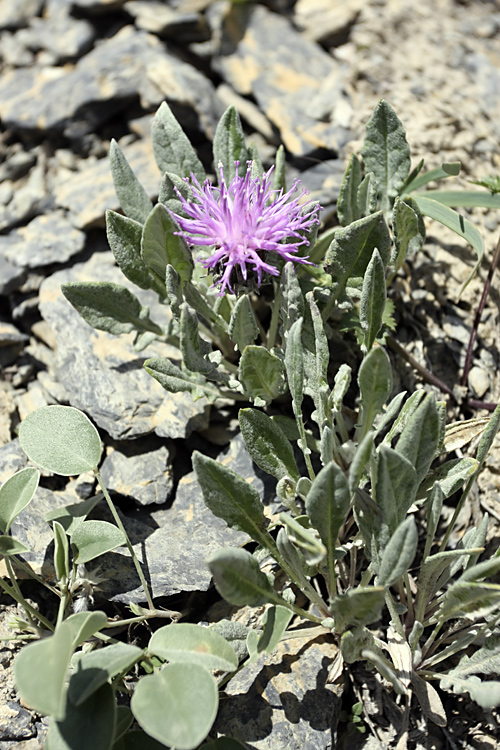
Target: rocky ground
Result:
[76, 73]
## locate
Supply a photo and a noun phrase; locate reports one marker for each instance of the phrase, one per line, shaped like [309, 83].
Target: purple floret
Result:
[243, 222]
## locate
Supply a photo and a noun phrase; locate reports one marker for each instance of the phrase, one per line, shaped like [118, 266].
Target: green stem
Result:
[19, 598]
[394, 615]
[128, 543]
[275, 317]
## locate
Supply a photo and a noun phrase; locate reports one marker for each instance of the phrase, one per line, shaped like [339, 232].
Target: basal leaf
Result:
[94, 538]
[408, 230]
[40, 671]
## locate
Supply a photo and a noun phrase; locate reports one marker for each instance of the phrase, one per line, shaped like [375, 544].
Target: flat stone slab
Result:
[284, 699]
[296, 84]
[103, 375]
[88, 193]
[128, 66]
[174, 554]
[49, 238]
[145, 475]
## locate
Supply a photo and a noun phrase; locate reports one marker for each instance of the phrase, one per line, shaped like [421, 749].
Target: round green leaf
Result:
[94, 538]
[15, 494]
[60, 439]
[40, 671]
[177, 706]
[89, 726]
[193, 644]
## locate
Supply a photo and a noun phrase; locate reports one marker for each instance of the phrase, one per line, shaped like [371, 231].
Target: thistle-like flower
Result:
[243, 222]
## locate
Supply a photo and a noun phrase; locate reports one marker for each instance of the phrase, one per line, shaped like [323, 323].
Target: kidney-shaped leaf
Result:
[189, 643]
[177, 706]
[60, 439]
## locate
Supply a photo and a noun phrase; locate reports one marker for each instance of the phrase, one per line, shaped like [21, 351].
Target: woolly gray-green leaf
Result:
[386, 152]
[16, 494]
[267, 444]
[60, 439]
[133, 198]
[172, 148]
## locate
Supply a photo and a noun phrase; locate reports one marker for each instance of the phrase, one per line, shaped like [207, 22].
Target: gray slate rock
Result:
[284, 700]
[130, 64]
[164, 20]
[89, 192]
[12, 459]
[143, 475]
[16, 13]
[103, 375]
[59, 34]
[292, 72]
[50, 238]
[11, 277]
[175, 553]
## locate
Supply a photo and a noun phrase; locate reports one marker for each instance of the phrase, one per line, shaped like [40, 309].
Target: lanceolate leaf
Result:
[175, 380]
[386, 152]
[419, 439]
[243, 328]
[375, 383]
[161, 245]
[399, 553]
[352, 249]
[267, 444]
[109, 307]
[459, 224]
[327, 504]
[171, 146]
[347, 204]
[195, 350]
[395, 486]
[373, 298]
[229, 145]
[261, 374]
[408, 229]
[133, 198]
[239, 579]
[292, 304]
[124, 237]
[231, 498]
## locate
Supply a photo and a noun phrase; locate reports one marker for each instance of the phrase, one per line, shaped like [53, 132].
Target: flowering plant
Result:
[353, 549]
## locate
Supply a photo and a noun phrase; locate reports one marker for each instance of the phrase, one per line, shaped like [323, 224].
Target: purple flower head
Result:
[243, 222]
